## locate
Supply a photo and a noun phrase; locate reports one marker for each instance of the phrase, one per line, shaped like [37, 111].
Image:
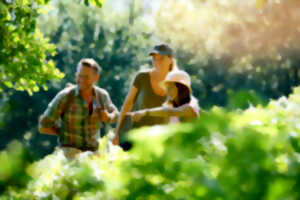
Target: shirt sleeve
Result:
[53, 111]
[108, 105]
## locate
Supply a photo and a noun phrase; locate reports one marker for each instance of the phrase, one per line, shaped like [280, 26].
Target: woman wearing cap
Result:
[180, 106]
[146, 91]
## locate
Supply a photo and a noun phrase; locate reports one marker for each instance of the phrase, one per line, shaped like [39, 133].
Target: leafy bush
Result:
[224, 155]
[13, 166]
[253, 154]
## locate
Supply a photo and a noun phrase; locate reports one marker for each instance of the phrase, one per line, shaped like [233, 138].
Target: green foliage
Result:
[233, 155]
[14, 161]
[24, 49]
[23, 64]
[243, 99]
[104, 34]
[98, 3]
[252, 154]
[233, 45]
[56, 177]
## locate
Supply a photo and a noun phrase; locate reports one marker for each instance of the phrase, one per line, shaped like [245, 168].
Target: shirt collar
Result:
[77, 91]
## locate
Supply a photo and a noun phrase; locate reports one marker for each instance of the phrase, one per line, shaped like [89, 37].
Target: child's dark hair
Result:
[183, 93]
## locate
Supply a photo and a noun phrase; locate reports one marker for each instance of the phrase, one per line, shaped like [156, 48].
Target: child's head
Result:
[178, 87]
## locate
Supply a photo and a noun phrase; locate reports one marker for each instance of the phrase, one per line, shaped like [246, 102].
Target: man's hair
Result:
[89, 62]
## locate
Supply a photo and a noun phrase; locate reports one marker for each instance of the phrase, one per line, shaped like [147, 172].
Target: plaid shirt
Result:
[78, 127]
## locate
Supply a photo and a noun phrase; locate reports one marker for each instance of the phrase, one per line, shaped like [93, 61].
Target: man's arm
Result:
[49, 131]
[47, 126]
[110, 113]
[113, 113]
[47, 121]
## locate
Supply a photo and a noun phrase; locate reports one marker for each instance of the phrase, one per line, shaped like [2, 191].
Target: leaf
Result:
[99, 3]
[8, 84]
[36, 89]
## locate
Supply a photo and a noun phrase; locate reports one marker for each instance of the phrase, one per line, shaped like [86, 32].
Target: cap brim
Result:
[158, 52]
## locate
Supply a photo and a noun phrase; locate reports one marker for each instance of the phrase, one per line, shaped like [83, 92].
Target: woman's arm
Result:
[129, 101]
[181, 111]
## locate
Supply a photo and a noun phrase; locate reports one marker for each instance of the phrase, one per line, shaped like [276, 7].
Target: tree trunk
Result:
[131, 12]
[295, 75]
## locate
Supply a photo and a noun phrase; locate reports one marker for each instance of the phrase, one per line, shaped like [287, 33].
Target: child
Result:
[180, 106]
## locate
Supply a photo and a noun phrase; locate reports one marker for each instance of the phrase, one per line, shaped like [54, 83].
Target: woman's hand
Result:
[138, 115]
[115, 140]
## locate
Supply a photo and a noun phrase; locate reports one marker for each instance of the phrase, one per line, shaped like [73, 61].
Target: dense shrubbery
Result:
[251, 154]
[248, 155]
[14, 162]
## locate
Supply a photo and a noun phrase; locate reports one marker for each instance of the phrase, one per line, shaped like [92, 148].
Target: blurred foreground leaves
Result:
[251, 154]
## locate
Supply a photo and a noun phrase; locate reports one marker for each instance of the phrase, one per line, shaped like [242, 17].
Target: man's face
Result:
[86, 77]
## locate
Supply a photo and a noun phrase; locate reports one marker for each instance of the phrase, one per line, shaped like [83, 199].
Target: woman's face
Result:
[161, 62]
[172, 91]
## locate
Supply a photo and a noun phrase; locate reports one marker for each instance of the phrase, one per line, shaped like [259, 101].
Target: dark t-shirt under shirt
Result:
[146, 98]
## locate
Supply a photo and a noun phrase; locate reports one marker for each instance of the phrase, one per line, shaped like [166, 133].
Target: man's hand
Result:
[49, 131]
[105, 116]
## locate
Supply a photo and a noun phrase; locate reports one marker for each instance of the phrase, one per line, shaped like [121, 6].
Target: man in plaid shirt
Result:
[76, 113]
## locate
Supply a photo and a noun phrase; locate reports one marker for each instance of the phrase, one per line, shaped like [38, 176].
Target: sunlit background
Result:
[243, 59]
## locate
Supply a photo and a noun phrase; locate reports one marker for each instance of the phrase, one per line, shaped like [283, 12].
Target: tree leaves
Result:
[224, 155]
[24, 49]
[97, 3]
